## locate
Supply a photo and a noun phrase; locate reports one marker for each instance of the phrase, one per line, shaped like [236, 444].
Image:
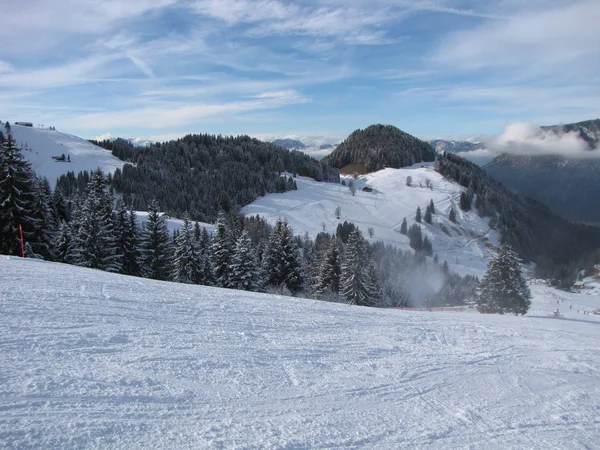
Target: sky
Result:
[159, 69]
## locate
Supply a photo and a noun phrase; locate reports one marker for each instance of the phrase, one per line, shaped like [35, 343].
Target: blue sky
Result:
[273, 68]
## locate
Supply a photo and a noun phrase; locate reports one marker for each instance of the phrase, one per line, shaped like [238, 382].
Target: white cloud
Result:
[524, 138]
[170, 115]
[102, 137]
[533, 40]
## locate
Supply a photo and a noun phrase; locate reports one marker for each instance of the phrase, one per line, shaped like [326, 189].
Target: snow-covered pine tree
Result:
[63, 244]
[244, 275]
[503, 289]
[155, 245]
[418, 215]
[281, 264]
[47, 227]
[17, 186]
[432, 207]
[94, 244]
[328, 278]
[221, 251]
[130, 245]
[356, 284]
[186, 264]
[291, 260]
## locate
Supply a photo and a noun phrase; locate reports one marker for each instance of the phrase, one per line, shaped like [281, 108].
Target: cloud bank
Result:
[524, 138]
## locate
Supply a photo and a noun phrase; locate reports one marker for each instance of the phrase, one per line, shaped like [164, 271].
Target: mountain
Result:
[290, 144]
[569, 186]
[44, 149]
[588, 130]
[380, 146]
[98, 360]
[442, 145]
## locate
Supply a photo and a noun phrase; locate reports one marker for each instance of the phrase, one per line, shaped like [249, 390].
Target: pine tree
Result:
[186, 264]
[155, 246]
[244, 275]
[17, 186]
[356, 283]
[94, 244]
[452, 215]
[221, 252]
[131, 244]
[63, 244]
[281, 264]
[428, 218]
[404, 227]
[328, 278]
[465, 201]
[46, 225]
[418, 215]
[432, 207]
[415, 237]
[427, 248]
[503, 289]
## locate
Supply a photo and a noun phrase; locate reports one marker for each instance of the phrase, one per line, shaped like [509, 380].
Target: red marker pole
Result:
[22, 241]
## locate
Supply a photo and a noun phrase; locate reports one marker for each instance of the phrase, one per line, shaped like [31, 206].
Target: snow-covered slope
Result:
[40, 145]
[173, 223]
[465, 246]
[97, 360]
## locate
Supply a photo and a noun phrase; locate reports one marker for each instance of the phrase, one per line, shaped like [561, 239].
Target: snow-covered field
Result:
[172, 223]
[96, 360]
[40, 145]
[465, 246]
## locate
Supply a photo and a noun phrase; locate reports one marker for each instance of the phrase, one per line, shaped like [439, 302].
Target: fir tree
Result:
[452, 215]
[415, 237]
[404, 227]
[432, 207]
[221, 252]
[186, 264]
[503, 289]
[356, 284]
[328, 279]
[155, 246]
[94, 244]
[427, 248]
[427, 217]
[63, 244]
[17, 186]
[280, 261]
[465, 201]
[244, 275]
[131, 244]
[418, 215]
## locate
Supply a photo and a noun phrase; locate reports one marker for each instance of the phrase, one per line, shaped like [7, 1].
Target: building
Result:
[24, 124]
[579, 285]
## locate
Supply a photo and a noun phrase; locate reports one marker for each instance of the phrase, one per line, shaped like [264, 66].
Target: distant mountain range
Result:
[569, 186]
[290, 144]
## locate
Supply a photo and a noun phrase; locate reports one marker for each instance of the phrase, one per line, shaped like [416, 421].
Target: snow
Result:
[173, 224]
[98, 360]
[40, 145]
[466, 246]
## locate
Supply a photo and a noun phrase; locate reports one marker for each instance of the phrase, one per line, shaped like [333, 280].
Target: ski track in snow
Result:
[466, 246]
[96, 360]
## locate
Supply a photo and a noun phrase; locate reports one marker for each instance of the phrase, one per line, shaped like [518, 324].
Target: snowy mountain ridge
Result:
[97, 360]
[41, 147]
[381, 201]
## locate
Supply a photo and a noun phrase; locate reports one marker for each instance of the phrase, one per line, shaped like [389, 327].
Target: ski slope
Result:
[40, 145]
[466, 246]
[97, 360]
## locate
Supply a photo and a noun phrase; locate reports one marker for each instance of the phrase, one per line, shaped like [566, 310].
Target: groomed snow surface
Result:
[467, 246]
[97, 360]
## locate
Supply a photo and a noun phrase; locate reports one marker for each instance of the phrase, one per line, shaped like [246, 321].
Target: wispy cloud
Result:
[181, 115]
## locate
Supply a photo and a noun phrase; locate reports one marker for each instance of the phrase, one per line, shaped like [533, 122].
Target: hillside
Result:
[465, 246]
[569, 186]
[40, 145]
[473, 151]
[289, 144]
[96, 360]
[380, 146]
